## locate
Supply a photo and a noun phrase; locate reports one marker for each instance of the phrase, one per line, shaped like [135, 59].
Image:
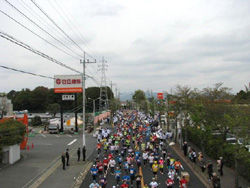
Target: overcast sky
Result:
[148, 44]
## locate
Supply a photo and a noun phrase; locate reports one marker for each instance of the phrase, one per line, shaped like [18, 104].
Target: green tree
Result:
[139, 97]
[53, 108]
[39, 99]
[183, 94]
[22, 100]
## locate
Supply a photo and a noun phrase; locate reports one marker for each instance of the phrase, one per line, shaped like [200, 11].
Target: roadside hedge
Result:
[11, 133]
[216, 147]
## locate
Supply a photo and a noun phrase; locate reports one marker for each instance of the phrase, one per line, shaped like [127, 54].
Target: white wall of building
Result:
[12, 154]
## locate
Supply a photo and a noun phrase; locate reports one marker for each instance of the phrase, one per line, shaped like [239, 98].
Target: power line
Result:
[56, 25]
[25, 72]
[69, 21]
[37, 34]
[27, 47]
[12, 39]
[41, 27]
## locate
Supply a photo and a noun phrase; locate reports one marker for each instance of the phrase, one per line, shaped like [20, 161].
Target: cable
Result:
[56, 25]
[13, 40]
[41, 27]
[68, 21]
[25, 72]
[37, 34]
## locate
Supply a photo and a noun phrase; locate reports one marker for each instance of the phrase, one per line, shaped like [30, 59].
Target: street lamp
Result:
[94, 108]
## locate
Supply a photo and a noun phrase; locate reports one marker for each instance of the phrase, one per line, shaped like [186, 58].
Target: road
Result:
[47, 150]
[147, 175]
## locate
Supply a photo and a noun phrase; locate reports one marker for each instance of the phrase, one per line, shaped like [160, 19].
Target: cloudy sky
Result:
[148, 44]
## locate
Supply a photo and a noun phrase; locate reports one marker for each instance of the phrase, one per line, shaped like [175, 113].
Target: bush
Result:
[11, 133]
[36, 121]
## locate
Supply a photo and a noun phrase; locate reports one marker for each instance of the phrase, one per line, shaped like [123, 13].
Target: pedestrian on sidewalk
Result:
[78, 154]
[202, 164]
[216, 181]
[83, 153]
[67, 156]
[210, 169]
[63, 160]
[185, 147]
[220, 164]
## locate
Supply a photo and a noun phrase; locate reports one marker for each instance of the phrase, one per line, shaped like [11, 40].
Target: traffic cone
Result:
[32, 146]
[28, 148]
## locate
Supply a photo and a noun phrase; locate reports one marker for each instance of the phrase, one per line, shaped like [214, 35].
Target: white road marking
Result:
[69, 135]
[57, 136]
[43, 144]
[73, 141]
[43, 135]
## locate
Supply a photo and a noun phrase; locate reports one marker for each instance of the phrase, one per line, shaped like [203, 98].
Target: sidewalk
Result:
[227, 180]
[74, 174]
[42, 166]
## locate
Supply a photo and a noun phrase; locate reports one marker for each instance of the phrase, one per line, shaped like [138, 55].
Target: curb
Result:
[83, 173]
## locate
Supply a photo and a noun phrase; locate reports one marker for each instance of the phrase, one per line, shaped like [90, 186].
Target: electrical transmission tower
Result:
[103, 105]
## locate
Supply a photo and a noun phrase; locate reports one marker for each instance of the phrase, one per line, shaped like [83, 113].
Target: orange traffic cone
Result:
[28, 148]
[32, 146]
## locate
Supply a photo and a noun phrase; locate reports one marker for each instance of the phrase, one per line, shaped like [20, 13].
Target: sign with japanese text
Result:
[68, 84]
[68, 97]
[159, 95]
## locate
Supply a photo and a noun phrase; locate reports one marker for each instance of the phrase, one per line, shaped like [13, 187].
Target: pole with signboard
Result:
[83, 102]
[83, 98]
[76, 123]
[66, 84]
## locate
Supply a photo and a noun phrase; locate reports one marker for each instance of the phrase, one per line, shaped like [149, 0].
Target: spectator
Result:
[185, 147]
[215, 181]
[210, 170]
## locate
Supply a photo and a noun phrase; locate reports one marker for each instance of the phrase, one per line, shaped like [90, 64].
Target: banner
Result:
[68, 84]
[159, 95]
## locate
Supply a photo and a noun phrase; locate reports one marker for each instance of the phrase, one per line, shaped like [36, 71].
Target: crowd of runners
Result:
[134, 144]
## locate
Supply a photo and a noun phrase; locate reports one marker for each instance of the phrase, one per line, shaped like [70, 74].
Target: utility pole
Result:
[76, 123]
[83, 97]
[111, 85]
[103, 88]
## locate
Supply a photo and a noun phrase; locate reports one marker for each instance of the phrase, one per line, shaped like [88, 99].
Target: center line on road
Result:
[73, 141]
[43, 135]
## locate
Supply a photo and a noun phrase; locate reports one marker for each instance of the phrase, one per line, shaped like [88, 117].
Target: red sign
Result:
[68, 84]
[159, 95]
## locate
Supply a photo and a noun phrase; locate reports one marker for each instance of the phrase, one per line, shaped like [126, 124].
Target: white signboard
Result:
[68, 84]
[68, 97]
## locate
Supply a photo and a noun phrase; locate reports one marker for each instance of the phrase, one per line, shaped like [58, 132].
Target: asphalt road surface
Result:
[47, 149]
[147, 175]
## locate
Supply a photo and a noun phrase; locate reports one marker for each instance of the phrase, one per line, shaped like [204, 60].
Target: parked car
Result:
[53, 128]
[231, 140]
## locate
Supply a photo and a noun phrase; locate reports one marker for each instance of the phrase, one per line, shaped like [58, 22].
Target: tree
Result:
[22, 100]
[39, 99]
[217, 92]
[139, 97]
[53, 108]
[238, 123]
[183, 94]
